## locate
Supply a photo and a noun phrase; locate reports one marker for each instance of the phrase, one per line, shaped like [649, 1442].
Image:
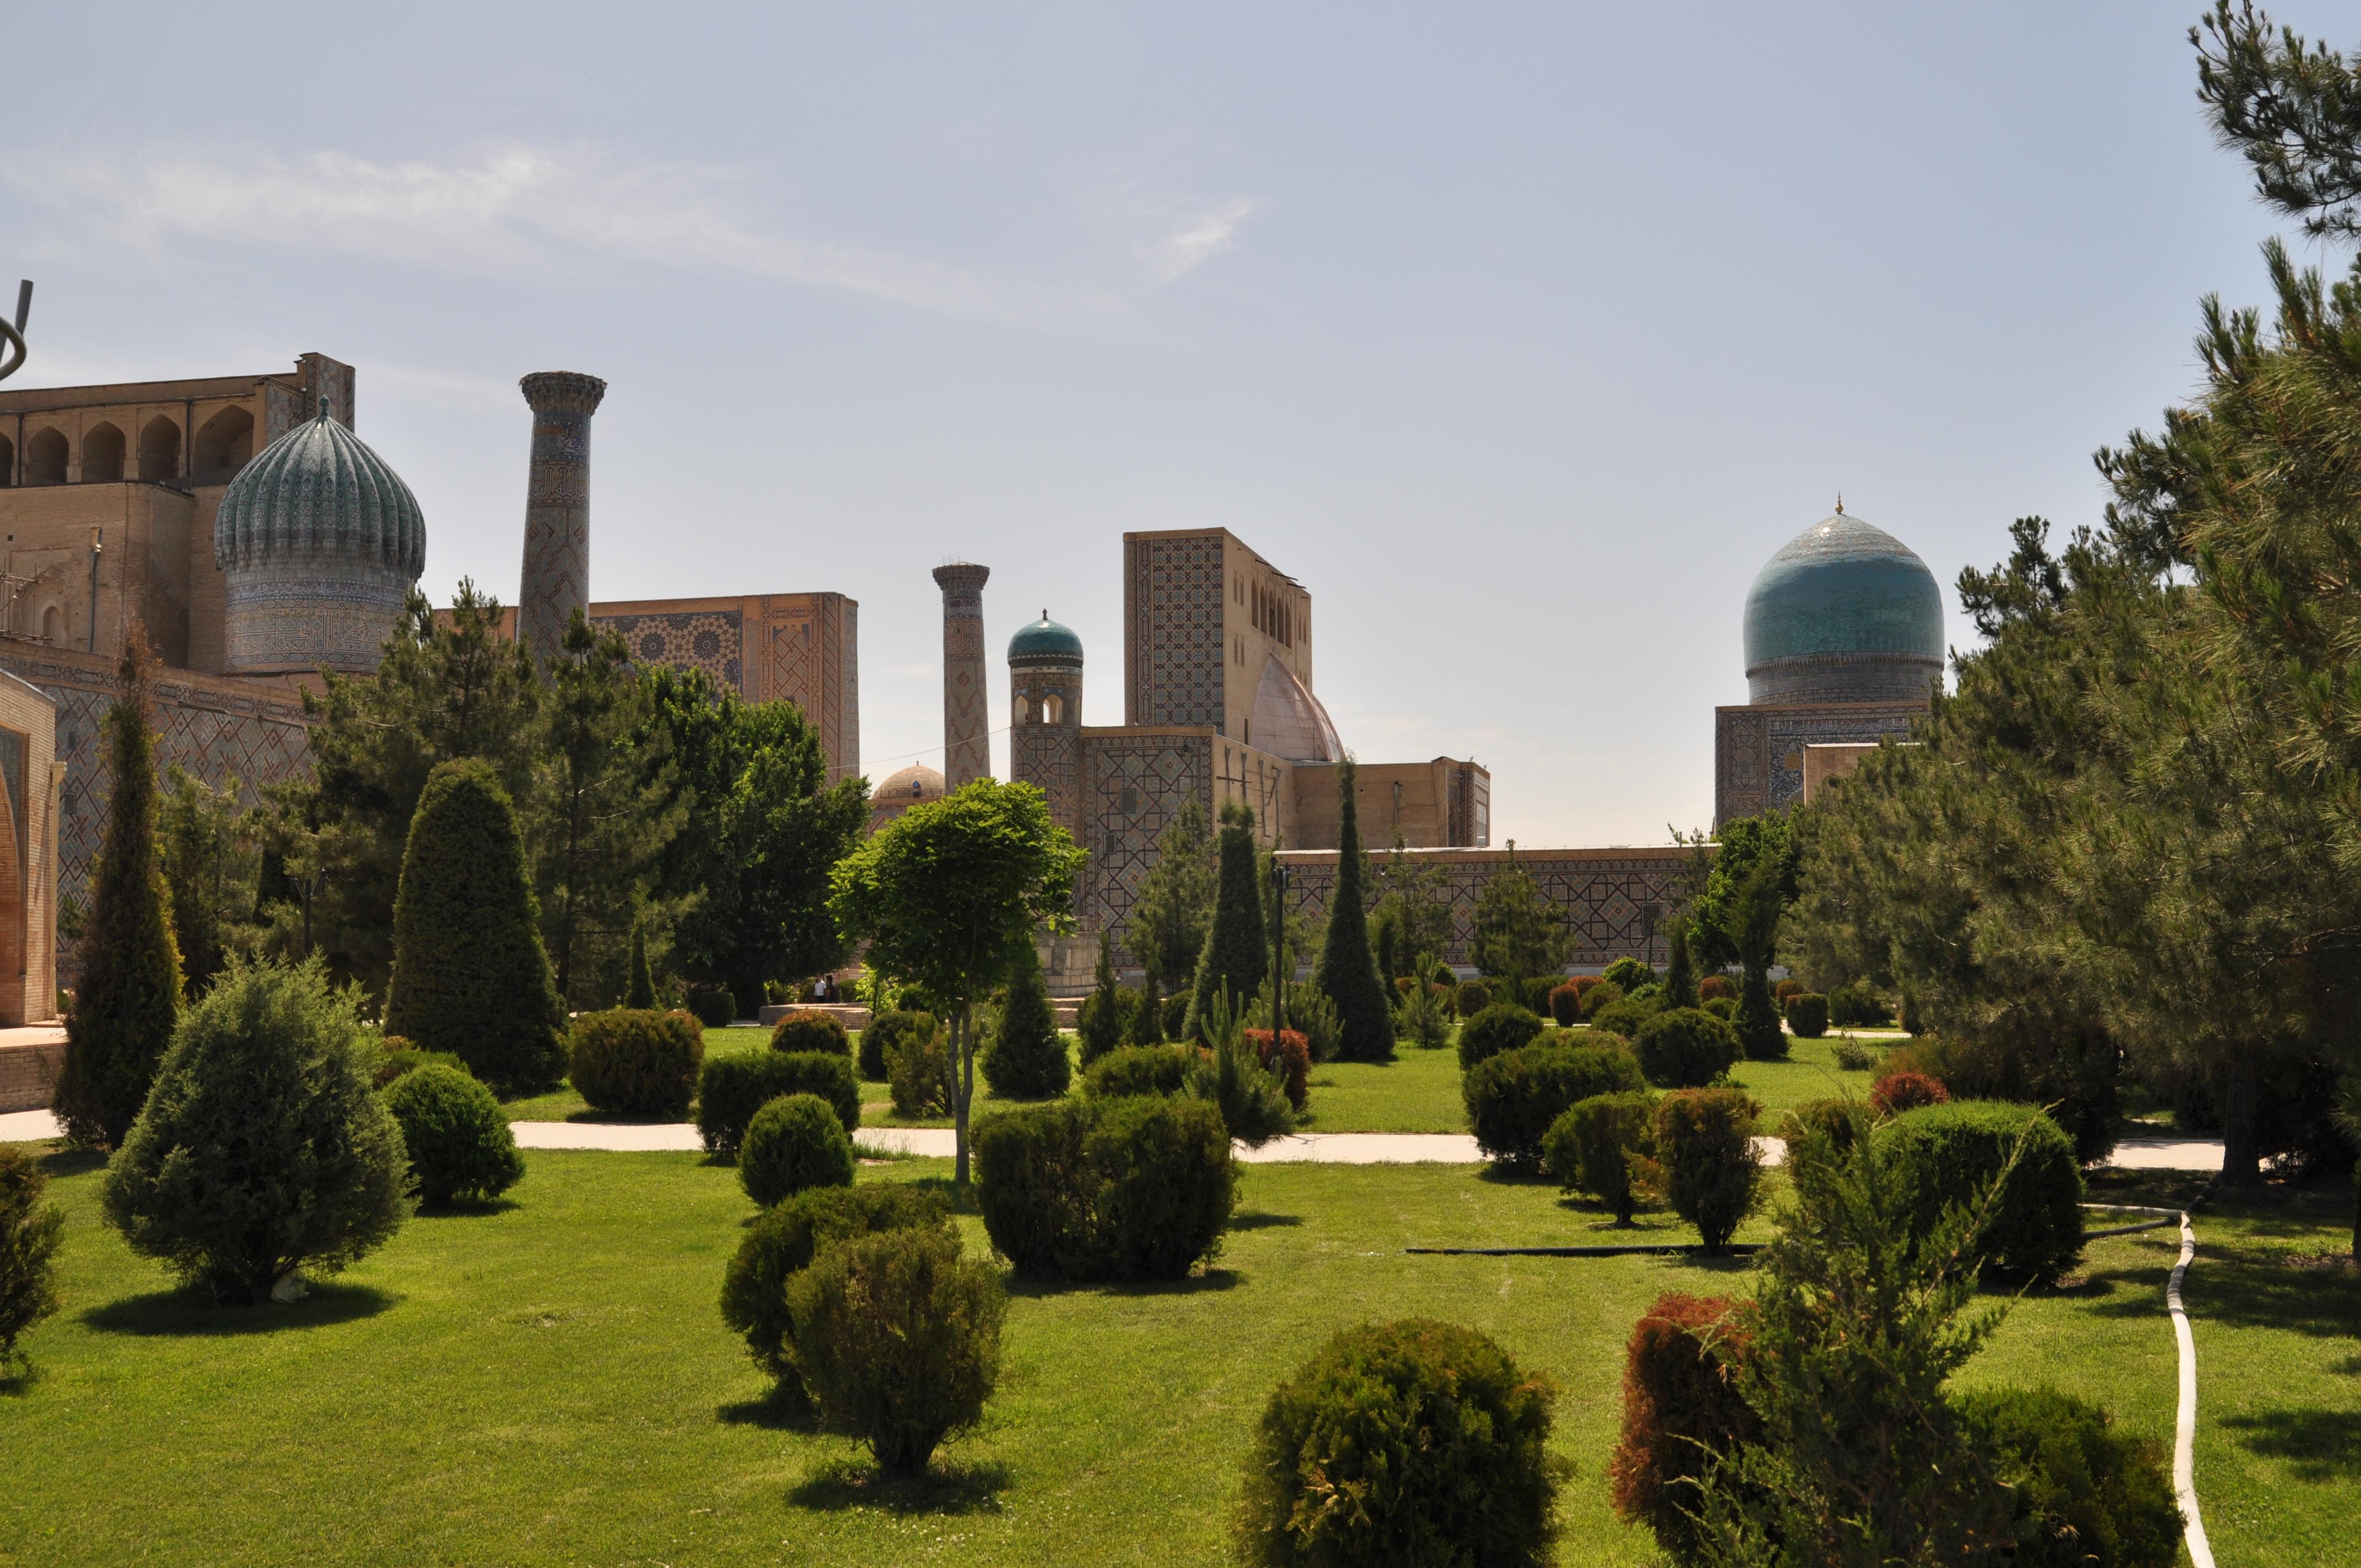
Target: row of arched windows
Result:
[1051, 711]
[224, 444]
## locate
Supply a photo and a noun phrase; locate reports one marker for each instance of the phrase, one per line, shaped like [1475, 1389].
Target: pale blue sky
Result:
[1520, 335]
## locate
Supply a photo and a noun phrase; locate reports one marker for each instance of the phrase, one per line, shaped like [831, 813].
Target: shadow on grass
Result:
[466, 1209]
[1511, 1175]
[73, 1162]
[1263, 1222]
[1195, 1284]
[2321, 1445]
[781, 1409]
[617, 1119]
[190, 1312]
[1705, 1265]
[943, 1489]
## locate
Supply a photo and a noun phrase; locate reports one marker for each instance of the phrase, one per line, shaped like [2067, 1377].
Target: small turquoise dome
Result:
[1844, 612]
[1045, 642]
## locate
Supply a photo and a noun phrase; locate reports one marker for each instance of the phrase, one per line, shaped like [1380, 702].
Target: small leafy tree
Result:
[1236, 956]
[471, 976]
[949, 895]
[29, 1233]
[1518, 932]
[130, 997]
[263, 1147]
[1167, 925]
[1348, 969]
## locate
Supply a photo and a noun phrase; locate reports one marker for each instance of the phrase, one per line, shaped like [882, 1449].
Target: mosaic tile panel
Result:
[1758, 752]
[704, 640]
[1614, 901]
[1049, 756]
[1173, 604]
[1132, 788]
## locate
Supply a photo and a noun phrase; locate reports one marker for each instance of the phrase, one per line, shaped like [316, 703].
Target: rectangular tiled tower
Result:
[1202, 614]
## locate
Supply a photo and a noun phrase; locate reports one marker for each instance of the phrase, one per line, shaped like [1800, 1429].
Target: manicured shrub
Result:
[877, 1041]
[640, 984]
[1348, 974]
[1681, 1410]
[1026, 1058]
[1843, 1123]
[2086, 1492]
[1287, 1057]
[1897, 1092]
[1854, 1056]
[1311, 1012]
[1535, 993]
[262, 1148]
[1653, 992]
[1629, 974]
[1174, 1012]
[458, 1139]
[713, 1006]
[897, 1338]
[1412, 1441]
[2074, 1074]
[1854, 1006]
[1565, 1004]
[808, 1029]
[793, 1143]
[387, 1065]
[1629, 1016]
[1471, 997]
[1597, 996]
[1716, 988]
[733, 1088]
[469, 973]
[1705, 1159]
[1502, 1027]
[1114, 1189]
[1099, 1024]
[29, 1233]
[1807, 1014]
[1232, 1078]
[1786, 989]
[1514, 1097]
[1138, 1069]
[781, 1241]
[918, 1072]
[1236, 956]
[1686, 1048]
[637, 1062]
[1945, 1155]
[1594, 1144]
[1721, 1007]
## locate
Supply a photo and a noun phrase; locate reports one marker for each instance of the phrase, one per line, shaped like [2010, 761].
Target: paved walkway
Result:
[1314, 1148]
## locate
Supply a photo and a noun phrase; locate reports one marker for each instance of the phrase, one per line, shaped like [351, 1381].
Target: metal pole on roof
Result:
[13, 352]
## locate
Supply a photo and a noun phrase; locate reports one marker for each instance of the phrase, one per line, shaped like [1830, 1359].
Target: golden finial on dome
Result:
[1840, 503]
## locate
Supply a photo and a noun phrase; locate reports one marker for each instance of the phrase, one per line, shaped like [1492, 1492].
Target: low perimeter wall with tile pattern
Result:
[28, 1073]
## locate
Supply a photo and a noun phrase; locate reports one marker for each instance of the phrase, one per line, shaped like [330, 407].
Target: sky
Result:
[1520, 335]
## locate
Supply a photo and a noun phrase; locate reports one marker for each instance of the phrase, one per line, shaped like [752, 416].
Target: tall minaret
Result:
[556, 506]
[1045, 717]
[967, 721]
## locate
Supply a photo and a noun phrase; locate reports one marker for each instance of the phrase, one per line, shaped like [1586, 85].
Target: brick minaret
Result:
[557, 507]
[967, 721]
[1045, 717]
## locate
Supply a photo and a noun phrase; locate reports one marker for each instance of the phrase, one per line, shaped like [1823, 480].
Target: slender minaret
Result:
[556, 506]
[967, 721]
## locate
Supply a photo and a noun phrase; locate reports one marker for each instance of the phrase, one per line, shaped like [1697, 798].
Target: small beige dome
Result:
[908, 788]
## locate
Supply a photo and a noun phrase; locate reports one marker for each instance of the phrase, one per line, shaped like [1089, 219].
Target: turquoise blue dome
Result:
[1045, 642]
[1844, 612]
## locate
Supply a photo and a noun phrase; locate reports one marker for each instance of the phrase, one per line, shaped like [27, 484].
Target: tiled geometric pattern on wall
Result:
[706, 640]
[1132, 788]
[1174, 600]
[1758, 752]
[1049, 756]
[1614, 900]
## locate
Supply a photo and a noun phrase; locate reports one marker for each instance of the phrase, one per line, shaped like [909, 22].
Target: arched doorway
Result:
[159, 451]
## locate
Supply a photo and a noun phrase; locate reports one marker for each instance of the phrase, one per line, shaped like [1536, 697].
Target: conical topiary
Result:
[1027, 1060]
[1680, 974]
[1236, 956]
[128, 996]
[1348, 969]
[469, 973]
[1100, 1020]
[641, 991]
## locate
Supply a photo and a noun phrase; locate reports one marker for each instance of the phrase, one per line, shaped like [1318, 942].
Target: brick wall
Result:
[28, 1073]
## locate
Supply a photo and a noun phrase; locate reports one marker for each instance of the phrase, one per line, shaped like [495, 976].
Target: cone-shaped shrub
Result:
[1236, 956]
[262, 1148]
[1680, 973]
[458, 1141]
[1027, 1057]
[640, 992]
[1348, 969]
[469, 973]
[129, 995]
[1099, 1022]
[29, 1230]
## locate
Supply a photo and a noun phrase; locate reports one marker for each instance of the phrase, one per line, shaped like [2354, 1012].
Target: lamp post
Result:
[1278, 948]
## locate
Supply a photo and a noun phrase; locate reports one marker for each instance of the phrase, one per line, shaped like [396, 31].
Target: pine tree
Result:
[1236, 956]
[1099, 1021]
[1348, 969]
[1167, 925]
[1518, 932]
[1027, 1060]
[642, 991]
[469, 972]
[1680, 974]
[129, 994]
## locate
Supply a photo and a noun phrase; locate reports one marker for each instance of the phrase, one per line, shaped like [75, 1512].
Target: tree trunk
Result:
[2241, 1161]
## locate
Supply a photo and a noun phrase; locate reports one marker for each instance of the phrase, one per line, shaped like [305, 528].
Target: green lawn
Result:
[550, 1382]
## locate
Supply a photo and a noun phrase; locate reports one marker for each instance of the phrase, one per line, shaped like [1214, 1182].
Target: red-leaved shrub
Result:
[1715, 985]
[1680, 1391]
[1292, 1063]
[1900, 1091]
[1786, 989]
[1566, 1004]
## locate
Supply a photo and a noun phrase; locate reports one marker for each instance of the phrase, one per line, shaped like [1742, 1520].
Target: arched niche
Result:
[159, 451]
[45, 456]
[101, 455]
[7, 461]
[224, 443]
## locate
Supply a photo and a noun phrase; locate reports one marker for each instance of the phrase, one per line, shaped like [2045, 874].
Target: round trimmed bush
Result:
[1286, 1056]
[897, 1338]
[458, 1137]
[1786, 989]
[2085, 1491]
[398, 1059]
[1593, 1145]
[1138, 1069]
[733, 1088]
[1853, 1006]
[1502, 1027]
[1472, 997]
[781, 1242]
[1709, 1167]
[29, 1232]
[262, 1148]
[1439, 1440]
[1513, 1098]
[1686, 1048]
[1718, 988]
[1721, 1007]
[1565, 1004]
[629, 1061]
[807, 1029]
[1598, 997]
[1941, 1157]
[1903, 1091]
[1682, 1408]
[793, 1143]
[1112, 1189]
[1843, 1121]
[884, 1032]
[713, 1007]
[1629, 973]
[1807, 1014]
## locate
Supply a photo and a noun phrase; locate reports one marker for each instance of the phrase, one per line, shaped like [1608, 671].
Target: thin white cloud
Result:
[1199, 239]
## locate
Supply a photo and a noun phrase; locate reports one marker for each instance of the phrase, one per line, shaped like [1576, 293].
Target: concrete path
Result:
[2168, 1153]
[632, 1136]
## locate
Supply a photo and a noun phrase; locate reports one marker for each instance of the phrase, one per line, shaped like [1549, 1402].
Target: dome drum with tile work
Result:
[319, 542]
[1844, 612]
[1045, 644]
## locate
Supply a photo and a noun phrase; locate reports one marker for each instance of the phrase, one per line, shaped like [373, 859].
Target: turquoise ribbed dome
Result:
[1843, 613]
[1045, 642]
[319, 494]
